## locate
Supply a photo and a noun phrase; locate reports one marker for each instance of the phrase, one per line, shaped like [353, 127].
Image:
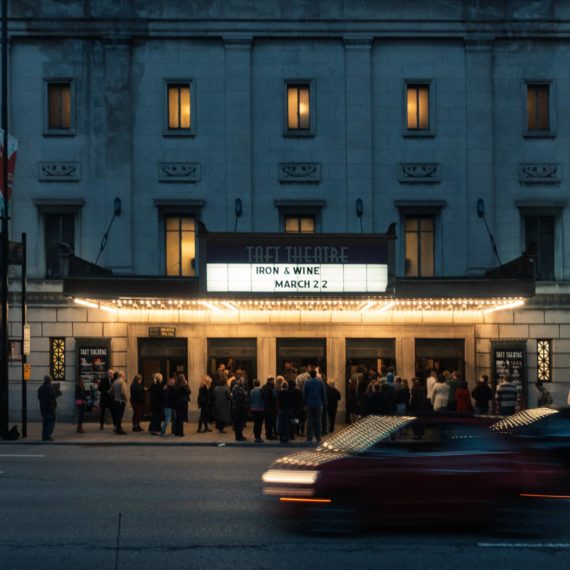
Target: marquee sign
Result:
[281, 263]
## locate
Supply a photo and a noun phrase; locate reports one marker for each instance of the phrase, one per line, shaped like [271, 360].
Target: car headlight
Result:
[289, 477]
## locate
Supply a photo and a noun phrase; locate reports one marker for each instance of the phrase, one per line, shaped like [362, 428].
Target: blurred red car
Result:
[402, 470]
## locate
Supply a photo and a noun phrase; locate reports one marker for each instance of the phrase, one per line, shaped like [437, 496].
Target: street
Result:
[194, 507]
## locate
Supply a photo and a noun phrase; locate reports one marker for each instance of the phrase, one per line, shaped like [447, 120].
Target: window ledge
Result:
[184, 133]
[418, 134]
[300, 134]
[539, 135]
[59, 133]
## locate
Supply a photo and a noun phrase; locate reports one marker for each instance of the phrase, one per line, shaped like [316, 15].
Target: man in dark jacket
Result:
[270, 399]
[314, 397]
[105, 401]
[239, 401]
[47, 395]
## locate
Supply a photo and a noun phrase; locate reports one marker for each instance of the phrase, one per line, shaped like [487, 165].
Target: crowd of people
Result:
[299, 403]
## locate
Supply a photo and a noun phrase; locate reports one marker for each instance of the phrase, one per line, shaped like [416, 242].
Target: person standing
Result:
[352, 400]
[181, 404]
[333, 398]
[430, 383]
[440, 395]
[204, 404]
[118, 393]
[463, 399]
[314, 398]
[453, 382]
[48, 394]
[544, 398]
[222, 406]
[137, 401]
[506, 396]
[239, 408]
[483, 395]
[418, 398]
[257, 406]
[80, 404]
[168, 405]
[156, 393]
[270, 400]
[105, 401]
[284, 397]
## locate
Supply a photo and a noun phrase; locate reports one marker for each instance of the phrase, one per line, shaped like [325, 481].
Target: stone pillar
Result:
[336, 367]
[266, 358]
[479, 151]
[406, 357]
[238, 131]
[197, 363]
[359, 133]
[116, 177]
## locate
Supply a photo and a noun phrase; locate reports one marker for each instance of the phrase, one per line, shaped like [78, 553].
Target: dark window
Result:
[57, 358]
[179, 106]
[59, 241]
[299, 224]
[539, 242]
[538, 101]
[59, 106]
[418, 107]
[298, 107]
[419, 243]
[180, 246]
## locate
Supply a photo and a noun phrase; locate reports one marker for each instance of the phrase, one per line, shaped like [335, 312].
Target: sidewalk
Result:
[66, 434]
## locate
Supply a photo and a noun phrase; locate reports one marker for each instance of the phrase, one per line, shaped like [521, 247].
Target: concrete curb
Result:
[159, 443]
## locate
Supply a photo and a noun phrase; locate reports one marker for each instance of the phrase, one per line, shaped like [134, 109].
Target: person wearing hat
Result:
[48, 393]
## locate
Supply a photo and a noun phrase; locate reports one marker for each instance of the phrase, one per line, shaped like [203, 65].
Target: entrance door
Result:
[439, 355]
[294, 353]
[168, 356]
[379, 353]
[235, 354]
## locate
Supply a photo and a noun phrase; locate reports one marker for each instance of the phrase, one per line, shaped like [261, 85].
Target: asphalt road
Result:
[201, 507]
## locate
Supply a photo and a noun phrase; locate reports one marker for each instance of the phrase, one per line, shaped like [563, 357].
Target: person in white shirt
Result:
[440, 395]
[430, 383]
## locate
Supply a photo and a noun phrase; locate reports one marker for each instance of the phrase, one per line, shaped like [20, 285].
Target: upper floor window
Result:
[299, 224]
[417, 107]
[537, 107]
[59, 241]
[180, 246]
[180, 112]
[539, 245]
[300, 108]
[59, 111]
[419, 246]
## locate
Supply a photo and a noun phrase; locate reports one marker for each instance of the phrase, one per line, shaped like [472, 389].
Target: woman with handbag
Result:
[80, 404]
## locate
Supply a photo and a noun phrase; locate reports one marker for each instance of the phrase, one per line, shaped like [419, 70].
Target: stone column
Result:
[238, 131]
[116, 177]
[266, 358]
[197, 363]
[359, 133]
[336, 368]
[479, 151]
[406, 357]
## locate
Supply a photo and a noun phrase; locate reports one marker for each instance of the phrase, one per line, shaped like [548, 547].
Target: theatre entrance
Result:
[238, 355]
[439, 354]
[378, 353]
[296, 353]
[169, 356]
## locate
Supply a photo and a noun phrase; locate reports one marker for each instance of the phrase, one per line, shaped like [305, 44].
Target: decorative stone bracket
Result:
[422, 173]
[540, 174]
[60, 172]
[179, 172]
[299, 172]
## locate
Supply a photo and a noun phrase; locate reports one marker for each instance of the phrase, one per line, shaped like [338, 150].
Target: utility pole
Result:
[4, 407]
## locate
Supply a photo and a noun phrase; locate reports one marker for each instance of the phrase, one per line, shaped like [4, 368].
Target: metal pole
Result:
[24, 322]
[4, 406]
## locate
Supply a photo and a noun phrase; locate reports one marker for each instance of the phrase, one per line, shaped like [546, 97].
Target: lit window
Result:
[539, 242]
[179, 106]
[419, 244]
[298, 107]
[180, 246]
[417, 107]
[59, 239]
[57, 358]
[59, 116]
[544, 362]
[537, 105]
[299, 224]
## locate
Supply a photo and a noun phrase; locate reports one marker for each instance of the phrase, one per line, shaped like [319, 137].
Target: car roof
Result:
[522, 420]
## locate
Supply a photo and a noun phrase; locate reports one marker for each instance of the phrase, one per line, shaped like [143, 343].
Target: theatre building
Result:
[268, 185]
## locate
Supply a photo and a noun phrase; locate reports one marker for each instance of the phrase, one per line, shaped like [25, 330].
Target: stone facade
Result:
[237, 56]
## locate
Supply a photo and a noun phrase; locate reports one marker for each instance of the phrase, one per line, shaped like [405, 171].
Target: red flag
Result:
[12, 151]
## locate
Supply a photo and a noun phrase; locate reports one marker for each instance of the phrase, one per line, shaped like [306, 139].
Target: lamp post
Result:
[4, 407]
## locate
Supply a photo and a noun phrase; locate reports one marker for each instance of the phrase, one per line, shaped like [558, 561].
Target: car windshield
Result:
[523, 422]
[365, 433]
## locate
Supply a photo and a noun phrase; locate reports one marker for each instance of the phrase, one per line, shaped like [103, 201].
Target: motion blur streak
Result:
[294, 500]
[545, 496]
